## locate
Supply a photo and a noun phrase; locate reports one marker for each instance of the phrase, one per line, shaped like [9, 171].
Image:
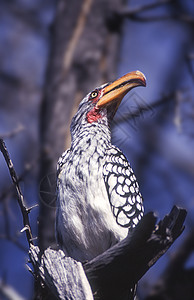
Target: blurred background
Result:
[54, 52]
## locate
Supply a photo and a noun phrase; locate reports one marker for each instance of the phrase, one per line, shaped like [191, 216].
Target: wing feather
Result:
[122, 188]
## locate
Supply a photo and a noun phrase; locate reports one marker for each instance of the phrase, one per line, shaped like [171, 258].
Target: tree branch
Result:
[179, 17]
[25, 211]
[127, 12]
[116, 17]
[64, 277]
[114, 272]
[120, 267]
[141, 107]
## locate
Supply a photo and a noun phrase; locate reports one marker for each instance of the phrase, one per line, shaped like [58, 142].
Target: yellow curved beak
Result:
[116, 90]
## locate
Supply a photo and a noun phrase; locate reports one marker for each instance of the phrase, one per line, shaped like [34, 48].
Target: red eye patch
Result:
[95, 95]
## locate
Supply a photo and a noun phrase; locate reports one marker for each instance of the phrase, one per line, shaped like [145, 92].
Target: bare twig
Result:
[20, 197]
[116, 17]
[130, 12]
[12, 133]
[133, 13]
[143, 107]
[179, 17]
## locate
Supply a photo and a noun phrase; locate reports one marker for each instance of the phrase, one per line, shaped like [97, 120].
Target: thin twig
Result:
[182, 18]
[133, 13]
[143, 107]
[129, 12]
[12, 133]
[20, 197]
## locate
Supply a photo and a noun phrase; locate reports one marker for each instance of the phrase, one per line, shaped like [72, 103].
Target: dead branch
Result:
[64, 276]
[183, 18]
[20, 198]
[128, 12]
[5, 195]
[123, 265]
[142, 106]
[114, 272]
[134, 13]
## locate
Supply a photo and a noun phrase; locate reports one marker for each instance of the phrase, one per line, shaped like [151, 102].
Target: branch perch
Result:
[114, 272]
[123, 265]
[64, 277]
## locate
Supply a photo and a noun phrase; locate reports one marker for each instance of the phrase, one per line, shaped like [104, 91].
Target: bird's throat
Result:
[93, 115]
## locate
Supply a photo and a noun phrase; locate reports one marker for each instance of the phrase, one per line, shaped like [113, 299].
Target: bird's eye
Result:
[93, 94]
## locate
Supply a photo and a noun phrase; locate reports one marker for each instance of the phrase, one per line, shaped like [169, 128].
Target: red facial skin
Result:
[94, 114]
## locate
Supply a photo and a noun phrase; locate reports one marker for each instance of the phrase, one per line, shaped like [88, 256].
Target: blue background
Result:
[158, 142]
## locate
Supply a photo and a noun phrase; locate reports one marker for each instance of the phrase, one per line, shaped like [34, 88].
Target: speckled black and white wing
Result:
[123, 190]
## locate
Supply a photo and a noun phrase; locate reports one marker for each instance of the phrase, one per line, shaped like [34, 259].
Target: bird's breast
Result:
[86, 226]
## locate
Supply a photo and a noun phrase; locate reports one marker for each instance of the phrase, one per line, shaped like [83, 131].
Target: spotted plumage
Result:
[98, 198]
[123, 189]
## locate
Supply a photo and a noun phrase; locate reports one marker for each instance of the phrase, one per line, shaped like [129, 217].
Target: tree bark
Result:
[112, 274]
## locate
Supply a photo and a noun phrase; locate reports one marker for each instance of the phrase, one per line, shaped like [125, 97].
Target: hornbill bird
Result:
[98, 198]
